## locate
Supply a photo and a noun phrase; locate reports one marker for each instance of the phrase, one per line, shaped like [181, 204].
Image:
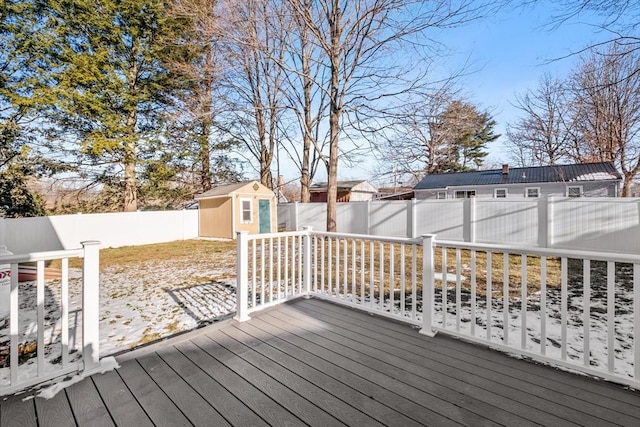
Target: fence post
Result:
[472, 219]
[550, 225]
[413, 233]
[543, 225]
[91, 305]
[242, 279]
[306, 260]
[428, 241]
[367, 218]
[295, 216]
[3, 230]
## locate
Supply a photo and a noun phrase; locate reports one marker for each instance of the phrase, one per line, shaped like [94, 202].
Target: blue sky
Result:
[512, 50]
[509, 52]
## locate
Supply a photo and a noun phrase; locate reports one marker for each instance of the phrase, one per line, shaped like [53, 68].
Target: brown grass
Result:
[128, 255]
[383, 258]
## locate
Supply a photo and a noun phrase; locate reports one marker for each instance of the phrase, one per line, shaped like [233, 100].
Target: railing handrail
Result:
[387, 239]
[42, 256]
[261, 236]
[549, 252]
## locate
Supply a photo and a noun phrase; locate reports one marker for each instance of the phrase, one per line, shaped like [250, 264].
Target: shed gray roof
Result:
[603, 171]
[223, 190]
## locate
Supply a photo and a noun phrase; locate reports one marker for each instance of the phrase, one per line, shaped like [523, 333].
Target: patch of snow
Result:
[107, 364]
[595, 176]
[141, 303]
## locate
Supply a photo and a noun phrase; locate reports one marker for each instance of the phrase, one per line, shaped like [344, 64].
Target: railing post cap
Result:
[90, 242]
[428, 236]
[308, 228]
[242, 232]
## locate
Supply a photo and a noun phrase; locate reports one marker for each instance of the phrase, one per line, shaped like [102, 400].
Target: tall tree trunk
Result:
[334, 117]
[207, 121]
[305, 176]
[130, 187]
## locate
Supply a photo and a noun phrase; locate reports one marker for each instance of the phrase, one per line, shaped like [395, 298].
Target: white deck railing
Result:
[577, 310]
[52, 336]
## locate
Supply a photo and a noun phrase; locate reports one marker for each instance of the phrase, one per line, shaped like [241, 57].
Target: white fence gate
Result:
[600, 224]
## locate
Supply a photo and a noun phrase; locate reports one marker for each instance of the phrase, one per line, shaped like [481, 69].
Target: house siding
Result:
[589, 189]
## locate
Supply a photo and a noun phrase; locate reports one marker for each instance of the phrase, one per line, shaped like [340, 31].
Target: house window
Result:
[247, 211]
[465, 194]
[500, 193]
[532, 192]
[441, 195]
[574, 191]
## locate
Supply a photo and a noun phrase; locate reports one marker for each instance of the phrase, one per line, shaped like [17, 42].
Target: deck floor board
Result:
[549, 380]
[311, 362]
[486, 384]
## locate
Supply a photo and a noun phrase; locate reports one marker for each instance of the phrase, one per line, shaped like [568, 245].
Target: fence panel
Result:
[352, 217]
[605, 224]
[23, 235]
[312, 215]
[390, 219]
[445, 218]
[597, 224]
[515, 222]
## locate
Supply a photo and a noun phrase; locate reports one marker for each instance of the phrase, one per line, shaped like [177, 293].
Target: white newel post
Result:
[242, 280]
[91, 305]
[306, 278]
[428, 241]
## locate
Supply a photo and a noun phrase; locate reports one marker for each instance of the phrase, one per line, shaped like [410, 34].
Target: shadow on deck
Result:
[317, 363]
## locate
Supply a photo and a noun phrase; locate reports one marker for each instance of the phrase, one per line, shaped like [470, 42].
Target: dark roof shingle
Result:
[557, 173]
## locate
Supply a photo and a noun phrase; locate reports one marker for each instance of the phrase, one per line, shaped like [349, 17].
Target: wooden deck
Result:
[316, 363]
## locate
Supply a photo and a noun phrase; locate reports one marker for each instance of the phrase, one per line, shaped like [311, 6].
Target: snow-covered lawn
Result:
[140, 302]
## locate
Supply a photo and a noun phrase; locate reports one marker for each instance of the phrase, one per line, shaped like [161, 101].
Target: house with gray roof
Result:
[578, 180]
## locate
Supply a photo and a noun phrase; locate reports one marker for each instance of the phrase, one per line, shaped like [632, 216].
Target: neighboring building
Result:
[581, 180]
[227, 209]
[395, 193]
[348, 191]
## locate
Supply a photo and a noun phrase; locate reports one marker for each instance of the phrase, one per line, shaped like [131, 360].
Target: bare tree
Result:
[305, 77]
[438, 134]
[544, 135]
[201, 65]
[606, 106]
[254, 32]
[359, 39]
[410, 145]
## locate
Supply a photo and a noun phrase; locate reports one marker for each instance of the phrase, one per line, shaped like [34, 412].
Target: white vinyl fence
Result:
[52, 233]
[595, 224]
[578, 310]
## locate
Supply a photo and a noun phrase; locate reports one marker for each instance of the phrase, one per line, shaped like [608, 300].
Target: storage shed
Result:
[226, 209]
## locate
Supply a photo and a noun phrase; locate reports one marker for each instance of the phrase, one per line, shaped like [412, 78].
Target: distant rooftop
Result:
[342, 185]
[602, 171]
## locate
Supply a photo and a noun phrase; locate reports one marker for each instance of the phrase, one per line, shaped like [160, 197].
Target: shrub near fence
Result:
[600, 224]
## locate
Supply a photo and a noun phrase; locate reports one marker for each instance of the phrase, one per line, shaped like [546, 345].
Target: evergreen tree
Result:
[465, 133]
[109, 85]
[21, 39]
